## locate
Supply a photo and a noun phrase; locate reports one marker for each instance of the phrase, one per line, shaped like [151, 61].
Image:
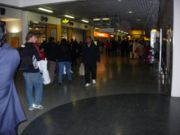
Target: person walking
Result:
[31, 73]
[11, 112]
[90, 57]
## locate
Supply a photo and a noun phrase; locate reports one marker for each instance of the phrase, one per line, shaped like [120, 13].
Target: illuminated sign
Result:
[101, 34]
[65, 21]
[137, 32]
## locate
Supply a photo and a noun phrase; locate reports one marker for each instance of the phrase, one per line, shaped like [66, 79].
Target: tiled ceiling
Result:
[144, 12]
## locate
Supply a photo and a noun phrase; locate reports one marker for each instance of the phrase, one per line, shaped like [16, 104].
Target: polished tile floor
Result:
[128, 99]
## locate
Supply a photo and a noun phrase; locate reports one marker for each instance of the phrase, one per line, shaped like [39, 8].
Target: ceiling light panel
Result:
[85, 21]
[69, 16]
[45, 10]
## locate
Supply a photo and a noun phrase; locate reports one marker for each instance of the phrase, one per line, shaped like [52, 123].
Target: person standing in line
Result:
[51, 54]
[64, 60]
[11, 112]
[31, 73]
[90, 57]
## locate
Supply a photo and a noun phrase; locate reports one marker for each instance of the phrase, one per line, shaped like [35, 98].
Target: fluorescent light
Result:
[86, 21]
[45, 10]
[105, 19]
[130, 12]
[69, 16]
[96, 19]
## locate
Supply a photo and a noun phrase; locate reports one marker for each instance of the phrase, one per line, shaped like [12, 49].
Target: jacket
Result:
[90, 55]
[27, 53]
[64, 53]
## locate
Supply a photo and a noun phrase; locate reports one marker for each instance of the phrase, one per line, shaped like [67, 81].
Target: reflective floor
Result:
[128, 99]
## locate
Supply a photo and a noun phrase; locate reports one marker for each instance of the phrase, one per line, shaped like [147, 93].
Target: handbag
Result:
[81, 70]
[42, 64]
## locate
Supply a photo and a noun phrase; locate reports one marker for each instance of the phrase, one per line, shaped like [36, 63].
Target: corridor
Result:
[124, 87]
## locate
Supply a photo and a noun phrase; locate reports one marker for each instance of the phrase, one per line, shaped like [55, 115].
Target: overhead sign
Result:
[101, 34]
[108, 30]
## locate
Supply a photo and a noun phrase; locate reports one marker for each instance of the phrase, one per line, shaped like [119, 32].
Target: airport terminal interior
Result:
[132, 93]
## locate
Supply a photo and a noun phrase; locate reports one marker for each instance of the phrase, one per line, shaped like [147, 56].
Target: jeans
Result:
[61, 70]
[33, 81]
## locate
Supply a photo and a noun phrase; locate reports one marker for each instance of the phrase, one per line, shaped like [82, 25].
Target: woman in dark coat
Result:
[11, 113]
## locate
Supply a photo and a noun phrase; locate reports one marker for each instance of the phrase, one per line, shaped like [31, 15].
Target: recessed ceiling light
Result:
[45, 10]
[119, 0]
[69, 16]
[130, 12]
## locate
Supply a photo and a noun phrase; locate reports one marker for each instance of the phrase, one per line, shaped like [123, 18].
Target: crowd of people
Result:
[66, 54]
[133, 49]
[59, 56]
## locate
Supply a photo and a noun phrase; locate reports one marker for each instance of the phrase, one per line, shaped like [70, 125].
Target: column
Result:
[24, 26]
[175, 89]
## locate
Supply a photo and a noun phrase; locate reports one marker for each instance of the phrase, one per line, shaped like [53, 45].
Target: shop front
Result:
[75, 30]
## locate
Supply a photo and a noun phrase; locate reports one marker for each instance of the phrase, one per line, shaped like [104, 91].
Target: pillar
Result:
[24, 26]
[175, 88]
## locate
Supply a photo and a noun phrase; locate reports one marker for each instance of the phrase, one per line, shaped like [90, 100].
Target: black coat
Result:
[26, 53]
[64, 53]
[90, 55]
[51, 51]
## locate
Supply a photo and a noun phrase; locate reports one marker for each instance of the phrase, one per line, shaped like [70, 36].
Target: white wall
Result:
[30, 16]
[14, 26]
[175, 90]
[12, 13]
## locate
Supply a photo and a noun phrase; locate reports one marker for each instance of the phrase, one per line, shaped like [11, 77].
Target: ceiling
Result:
[144, 12]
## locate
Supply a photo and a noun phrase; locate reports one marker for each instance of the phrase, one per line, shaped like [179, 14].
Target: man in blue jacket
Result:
[11, 112]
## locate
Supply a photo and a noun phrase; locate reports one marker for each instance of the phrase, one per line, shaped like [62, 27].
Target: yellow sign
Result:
[137, 32]
[65, 21]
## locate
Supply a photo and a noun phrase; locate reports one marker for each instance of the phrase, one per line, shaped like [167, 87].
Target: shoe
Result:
[39, 107]
[94, 81]
[87, 84]
[31, 108]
